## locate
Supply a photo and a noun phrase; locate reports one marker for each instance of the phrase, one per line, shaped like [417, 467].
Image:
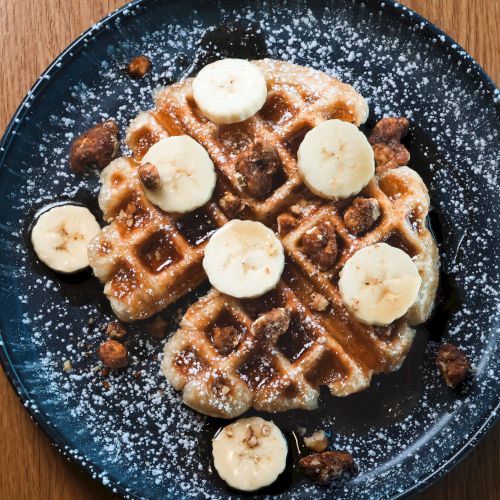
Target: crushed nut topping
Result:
[317, 442]
[229, 432]
[225, 339]
[269, 326]
[148, 173]
[231, 205]
[67, 366]
[286, 223]
[320, 245]
[361, 215]
[328, 466]
[138, 67]
[115, 330]
[318, 302]
[97, 146]
[453, 364]
[251, 439]
[385, 139]
[265, 430]
[258, 168]
[113, 354]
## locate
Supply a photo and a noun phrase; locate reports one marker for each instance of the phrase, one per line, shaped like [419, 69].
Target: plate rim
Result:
[55, 437]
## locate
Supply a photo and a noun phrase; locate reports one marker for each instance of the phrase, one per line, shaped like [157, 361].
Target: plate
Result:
[132, 432]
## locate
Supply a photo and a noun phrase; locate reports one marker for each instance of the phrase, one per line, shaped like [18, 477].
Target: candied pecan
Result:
[286, 223]
[231, 205]
[385, 139]
[452, 364]
[269, 326]
[318, 302]
[96, 146]
[361, 215]
[258, 168]
[328, 466]
[115, 330]
[317, 442]
[148, 173]
[113, 354]
[225, 339]
[320, 245]
[138, 67]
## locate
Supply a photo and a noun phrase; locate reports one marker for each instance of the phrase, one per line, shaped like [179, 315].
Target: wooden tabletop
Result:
[32, 34]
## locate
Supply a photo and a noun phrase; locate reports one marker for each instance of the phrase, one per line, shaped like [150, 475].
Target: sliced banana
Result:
[244, 259]
[250, 453]
[186, 174]
[335, 160]
[60, 237]
[379, 283]
[229, 90]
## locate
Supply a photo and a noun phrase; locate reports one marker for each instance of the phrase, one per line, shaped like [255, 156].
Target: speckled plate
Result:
[131, 430]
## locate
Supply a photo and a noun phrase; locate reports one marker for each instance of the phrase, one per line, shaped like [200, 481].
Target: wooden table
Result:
[32, 34]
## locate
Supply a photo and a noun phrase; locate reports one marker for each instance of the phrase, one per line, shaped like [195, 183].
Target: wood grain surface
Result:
[32, 34]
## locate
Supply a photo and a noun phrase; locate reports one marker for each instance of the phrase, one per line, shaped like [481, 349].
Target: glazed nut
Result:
[452, 364]
[138, 67]
[148, 173]
[113, 354]
[115, 330]
[97, 146]
[225, 339]
[317, 442]
[361, 215]
[320, 244]
[328, 466]
[318, 302]
[231, 205]
[269, 326]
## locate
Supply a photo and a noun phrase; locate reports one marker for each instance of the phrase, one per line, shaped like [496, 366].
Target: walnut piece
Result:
[317, 442]
[97, 146]
[385, 139]
[250, 438]
[148, 173]
[320, 245]
[113, 354]
[328, 466]
[452, 364]
[269, 326]
[286, 223]
[115, 330]
[318, 302]
[67, 366]
[258, 168]
[361, 215]
[231, 205]
[138, 67]
[225, 339]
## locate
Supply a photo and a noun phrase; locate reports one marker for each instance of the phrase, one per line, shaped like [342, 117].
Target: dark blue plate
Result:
[132, 432]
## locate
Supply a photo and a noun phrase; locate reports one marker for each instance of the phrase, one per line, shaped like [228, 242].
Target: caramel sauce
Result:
[326, 370]
[296, 340]
[393, 187]
[196, 226]
[188, 363]
[396, 240]
[414, 218]
[158, 252]
[293, 142]
[124, 281]
[276, 109]
[144, 140]
[258, 369]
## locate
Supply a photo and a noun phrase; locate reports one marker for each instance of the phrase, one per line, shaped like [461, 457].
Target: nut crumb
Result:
[138, 67]
[251, 439]
[115, 330]
[317, 442]
[113, 354]
[229, 432]
[265, 430]
[67, 366]
[231, 205]
[328, 466]
[318, 302]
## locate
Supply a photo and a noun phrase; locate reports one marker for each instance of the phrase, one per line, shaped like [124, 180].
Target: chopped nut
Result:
[231, 205]
[269, 326]
[385, 139]
[318, 302]
[453, 364]
[251, 439]
[138, 67]
[225, 339]
[296, 209]
[328, 466]
[148, 173]
[97, 146]
[158, 328]
[265, 430]
[320, 245]
[115, 330]
[317, 442]
[224, 390]
[286, 223]
[113, 354]
[258, 168]
[361, 215]
[229, 432]
[67, 366]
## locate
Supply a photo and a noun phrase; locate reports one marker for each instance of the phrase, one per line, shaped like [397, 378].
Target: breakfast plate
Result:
[130, 428]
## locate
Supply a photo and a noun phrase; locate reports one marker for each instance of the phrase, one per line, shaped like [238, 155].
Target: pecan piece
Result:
[258, 168]
[269, 326]
[320, 245]
[286, 223]
[225, 339]
[318, 302]
[361, 215]
[138, 67]
[328, 466]
[113, 354]
[385, 139]
[148, 173]
[115, 330]
[97, 146]
[452, 364]
[317, 442]
[231, 205]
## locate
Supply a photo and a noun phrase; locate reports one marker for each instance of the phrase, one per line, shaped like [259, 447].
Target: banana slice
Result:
[379, 283]
[335, 160]
[229, 90]
[244, 259]
[184, 174]
[250, 453]
[61, 235]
